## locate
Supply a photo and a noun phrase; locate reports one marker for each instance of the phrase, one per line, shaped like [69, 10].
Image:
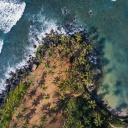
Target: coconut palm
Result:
[72, 40]
[43, 119]
[84, 44]
[91, 104]
[47, 96]
[89, 48]
[78, 37]
[82, 60]
[88, 67]
[97, 119]
[63, 39]
[86, 121]
[44, 88]
[86, 96]
[60, 47]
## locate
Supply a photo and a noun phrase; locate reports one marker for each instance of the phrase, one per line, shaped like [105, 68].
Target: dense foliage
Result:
[12, 102]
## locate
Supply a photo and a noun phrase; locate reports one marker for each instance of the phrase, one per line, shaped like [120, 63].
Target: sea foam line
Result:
[46, 27]
[1, 45]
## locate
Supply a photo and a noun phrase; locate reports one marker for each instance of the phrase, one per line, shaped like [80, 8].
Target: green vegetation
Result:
[81, 115]
[12, 102]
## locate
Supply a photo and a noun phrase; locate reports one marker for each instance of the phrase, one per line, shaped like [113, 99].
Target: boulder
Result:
[34, 46]
[34, 67]
[97, 72]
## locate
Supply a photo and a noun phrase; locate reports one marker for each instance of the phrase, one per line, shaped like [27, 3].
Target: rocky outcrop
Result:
[34, 67]
[16, 78]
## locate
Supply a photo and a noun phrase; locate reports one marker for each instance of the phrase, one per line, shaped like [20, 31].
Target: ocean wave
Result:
[44, 26]
[1, 45]
[10, 12]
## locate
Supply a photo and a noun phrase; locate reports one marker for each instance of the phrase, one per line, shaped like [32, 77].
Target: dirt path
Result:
[40, 97]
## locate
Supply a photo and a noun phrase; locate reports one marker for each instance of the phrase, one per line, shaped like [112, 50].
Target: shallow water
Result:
[109, 17]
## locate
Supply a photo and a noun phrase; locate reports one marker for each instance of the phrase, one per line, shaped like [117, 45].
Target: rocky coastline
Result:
[17, 77]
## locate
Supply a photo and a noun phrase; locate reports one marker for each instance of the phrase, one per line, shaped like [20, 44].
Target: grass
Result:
[12, 102]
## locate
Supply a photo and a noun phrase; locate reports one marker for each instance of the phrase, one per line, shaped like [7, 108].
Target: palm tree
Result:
[46, 65]
[88, 67]
[78, 37]
[50, 72]
[89, 48]
[87, 96]
[92, 104]
[60, 47]
[44, 88]
[62, 97]
[86, 121]
[55, 82]
[43, 119]
[82, 60]
[63, 39]
[97, 120]
[67, 71]
[72, 40]
[47, 96]
[88, 80]
[84, 44]
[55, 107]
[67, 39]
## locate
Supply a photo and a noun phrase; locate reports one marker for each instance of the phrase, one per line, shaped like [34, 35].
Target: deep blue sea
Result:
[21, 21]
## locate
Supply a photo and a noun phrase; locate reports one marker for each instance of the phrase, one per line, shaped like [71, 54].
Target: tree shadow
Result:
[118, 83]
[122, 106]
[109, 70]
[92, 30]
[117, 92]
[106, 87]
[101, 95]
[32, 93]
[42, 81]
[40, 97]
[104, 62]
[35, 102]
[27, 117]
[48, 113]
[45, 107]
[53, 120]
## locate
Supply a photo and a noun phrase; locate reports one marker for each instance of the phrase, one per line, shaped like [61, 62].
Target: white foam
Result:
[1, 45]
[45, 27]
[10, 13]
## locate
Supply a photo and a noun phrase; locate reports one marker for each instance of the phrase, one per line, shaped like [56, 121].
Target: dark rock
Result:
[7, 81]
[7, 87]
[34, 46]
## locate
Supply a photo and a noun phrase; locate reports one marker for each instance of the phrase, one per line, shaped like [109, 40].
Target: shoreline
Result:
[33, 62]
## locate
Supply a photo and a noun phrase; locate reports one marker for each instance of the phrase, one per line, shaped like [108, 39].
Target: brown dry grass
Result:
[34, 106]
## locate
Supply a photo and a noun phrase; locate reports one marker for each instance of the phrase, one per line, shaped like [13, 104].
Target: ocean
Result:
[21, 21]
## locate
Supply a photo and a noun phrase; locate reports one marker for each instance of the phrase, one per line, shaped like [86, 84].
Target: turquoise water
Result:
[109, 18]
